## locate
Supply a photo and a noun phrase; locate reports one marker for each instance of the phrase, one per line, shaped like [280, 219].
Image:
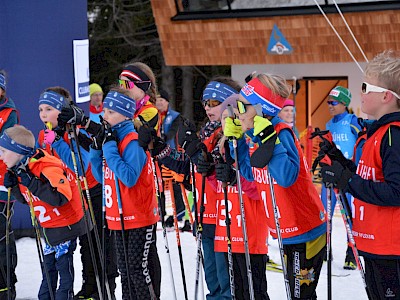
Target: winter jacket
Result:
[376, 189]
[128, 180]
[55, 198]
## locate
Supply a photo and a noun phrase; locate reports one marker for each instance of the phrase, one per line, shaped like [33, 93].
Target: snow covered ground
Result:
[29, 275]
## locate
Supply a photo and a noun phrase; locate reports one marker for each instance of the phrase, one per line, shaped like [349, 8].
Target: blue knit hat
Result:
[2, 81]
[53, 99]
[120, 103]
[218, 91]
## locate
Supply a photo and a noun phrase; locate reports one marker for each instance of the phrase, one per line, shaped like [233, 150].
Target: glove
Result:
[335, 175]
[49, 136]
[111, 135]
[225, 173]
[205, 165]
[10, 179]
[159, 146]
[72, 115]
[264, 129]
[145, 136]
[22, 170]
[98, 139]
[191, 147]
[335, 154]
[233, 128]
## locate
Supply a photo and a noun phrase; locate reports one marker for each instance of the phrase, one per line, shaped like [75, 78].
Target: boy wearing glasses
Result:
[344, 128]
[375, 183]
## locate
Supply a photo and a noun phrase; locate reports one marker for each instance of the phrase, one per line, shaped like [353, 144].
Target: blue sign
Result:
[277, 43]
[83, 89]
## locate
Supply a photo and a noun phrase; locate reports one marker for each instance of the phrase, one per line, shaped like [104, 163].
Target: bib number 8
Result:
[108, 195]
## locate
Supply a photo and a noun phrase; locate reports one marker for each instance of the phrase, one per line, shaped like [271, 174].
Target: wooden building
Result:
[242, 38]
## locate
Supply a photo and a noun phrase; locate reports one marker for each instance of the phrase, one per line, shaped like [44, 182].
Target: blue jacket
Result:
[344, 129]
[284, 165]
[127, 167]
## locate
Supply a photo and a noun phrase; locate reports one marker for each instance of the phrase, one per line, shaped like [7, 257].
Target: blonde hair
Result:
[21, 135]
[277, 84]
[152, 92]
[385, 67]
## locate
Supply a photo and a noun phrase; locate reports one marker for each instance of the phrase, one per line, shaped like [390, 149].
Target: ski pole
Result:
[199, 231]
[228, 240]
[8, 263]
[39, 245]
[168, 187]
[279, 235]
[347, 221]
[158, 194]
[328, 242]
[186, 202]
[242, 212]
[163, 226]
[121, 219]
[88, 234]
[196, 216]
[101, 251]
[103, 222]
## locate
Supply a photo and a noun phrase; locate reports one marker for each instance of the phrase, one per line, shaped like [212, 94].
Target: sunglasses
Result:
[128, 85]
[367, 88]
[211, 103]
[242, 107]
[333, 102]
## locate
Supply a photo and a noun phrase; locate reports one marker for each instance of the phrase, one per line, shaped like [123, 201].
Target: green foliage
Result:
[121, 31]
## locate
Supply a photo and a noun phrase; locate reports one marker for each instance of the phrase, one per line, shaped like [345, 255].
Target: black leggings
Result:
[143, 261]
[383, 278]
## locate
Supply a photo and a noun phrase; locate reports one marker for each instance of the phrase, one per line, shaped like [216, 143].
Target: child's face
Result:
[372, 102]
[287, 114]
[212, 109]
[247, 118]
[113, 117]
[10, 158]
[48, 113]
[134, 93]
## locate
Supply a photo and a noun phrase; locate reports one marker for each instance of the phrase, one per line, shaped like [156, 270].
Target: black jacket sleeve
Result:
[85, 141]
[382, 193]
[42, 189]
[93, 128]
[16, 192]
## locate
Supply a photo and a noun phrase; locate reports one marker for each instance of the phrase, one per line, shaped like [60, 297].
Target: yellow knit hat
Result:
[95, 88]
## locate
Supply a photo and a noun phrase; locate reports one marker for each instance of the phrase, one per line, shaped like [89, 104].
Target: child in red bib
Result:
[131, 206]
[41, 180]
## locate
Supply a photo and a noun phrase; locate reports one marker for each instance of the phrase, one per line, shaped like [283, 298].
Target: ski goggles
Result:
[332, 102]
[128, 85]
[367, 88]
[211, 103]
[242, 107]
